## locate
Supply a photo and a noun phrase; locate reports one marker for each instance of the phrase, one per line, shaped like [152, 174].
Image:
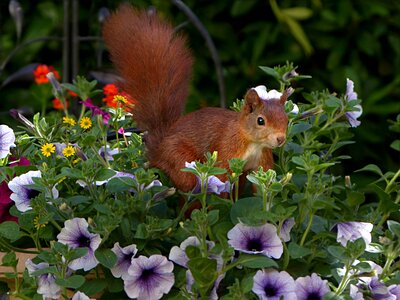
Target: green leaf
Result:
[241, 7]
[72, 173]
[204, 271]
[77, 253]
[213, 217]
[276, 187]
[271, 72]
[256, 261]
[394, 227]
[338, 252]
[104, 174]
[298, 13]
[245, 209]
[297, 251]
[73, 282]
[332, 102]
[10, 230]
[299, 161]
[48, 270]
[120, 184]
[106, 257]
[371, 168]
[355, 198]
[298, 33]
[298, 128]
[10, 260]
[395, 145]
[93, 286]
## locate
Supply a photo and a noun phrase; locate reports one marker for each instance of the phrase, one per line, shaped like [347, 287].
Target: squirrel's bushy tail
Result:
[155, 64]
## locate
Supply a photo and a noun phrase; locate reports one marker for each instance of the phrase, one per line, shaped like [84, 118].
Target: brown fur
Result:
[156, 66]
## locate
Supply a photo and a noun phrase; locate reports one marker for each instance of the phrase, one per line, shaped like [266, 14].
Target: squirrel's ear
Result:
[286, 93]
[251, 100]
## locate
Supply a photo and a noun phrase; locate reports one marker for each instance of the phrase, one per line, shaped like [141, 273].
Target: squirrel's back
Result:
[156, 67]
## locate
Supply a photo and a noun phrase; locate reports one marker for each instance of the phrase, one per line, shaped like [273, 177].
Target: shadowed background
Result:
[329, 40]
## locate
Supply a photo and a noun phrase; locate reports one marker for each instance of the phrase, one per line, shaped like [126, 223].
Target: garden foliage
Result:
[106, 225]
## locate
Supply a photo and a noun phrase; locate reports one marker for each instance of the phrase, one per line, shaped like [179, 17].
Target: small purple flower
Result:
[355, 294]
[96, 110]
[138, 187]
[76, 234]
[394, 289]
[351, 95]
[351, 231]
[178, 256]
[80, 296]
[376, 289]
[286, 228]
[23, 194]
[149, 277]
[272, 285]
[311, 287]
[124, 256]
[46, 282]
[214, 184]
[256, 240]
[7, 139]
[107, 153]
[379, 290]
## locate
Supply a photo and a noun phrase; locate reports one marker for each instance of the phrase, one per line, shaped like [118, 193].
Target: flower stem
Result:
[343, 283]
[303, 238]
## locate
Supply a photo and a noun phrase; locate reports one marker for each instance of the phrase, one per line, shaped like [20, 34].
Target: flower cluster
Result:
[78, 195]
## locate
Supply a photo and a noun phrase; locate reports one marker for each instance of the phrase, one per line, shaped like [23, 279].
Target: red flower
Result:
[41, 71]
[72, 94]
[57, 104]
[110, 91]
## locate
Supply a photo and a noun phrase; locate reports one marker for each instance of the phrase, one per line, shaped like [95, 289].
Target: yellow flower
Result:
[85, 123]
[68, 151]
[38, 224]
[47, 149]
[69, 121]
[120, 99]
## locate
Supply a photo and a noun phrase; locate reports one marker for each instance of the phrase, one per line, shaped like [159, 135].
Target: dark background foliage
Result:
[329, 40]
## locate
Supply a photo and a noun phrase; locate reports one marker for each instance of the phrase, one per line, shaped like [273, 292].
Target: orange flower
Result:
[110, 90]
[41, 71]
[57, 104]
[72, 94]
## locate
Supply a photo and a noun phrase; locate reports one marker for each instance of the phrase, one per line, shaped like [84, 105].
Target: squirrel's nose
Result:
[281, 140]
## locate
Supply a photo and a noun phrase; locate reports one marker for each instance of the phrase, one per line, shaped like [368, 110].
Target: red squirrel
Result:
[156, 67]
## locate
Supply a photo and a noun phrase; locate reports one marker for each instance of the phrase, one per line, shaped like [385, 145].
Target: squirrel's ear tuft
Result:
[286, 93]
[251, 100]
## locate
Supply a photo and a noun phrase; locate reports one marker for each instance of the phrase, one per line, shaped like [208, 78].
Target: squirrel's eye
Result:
[260, 121]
